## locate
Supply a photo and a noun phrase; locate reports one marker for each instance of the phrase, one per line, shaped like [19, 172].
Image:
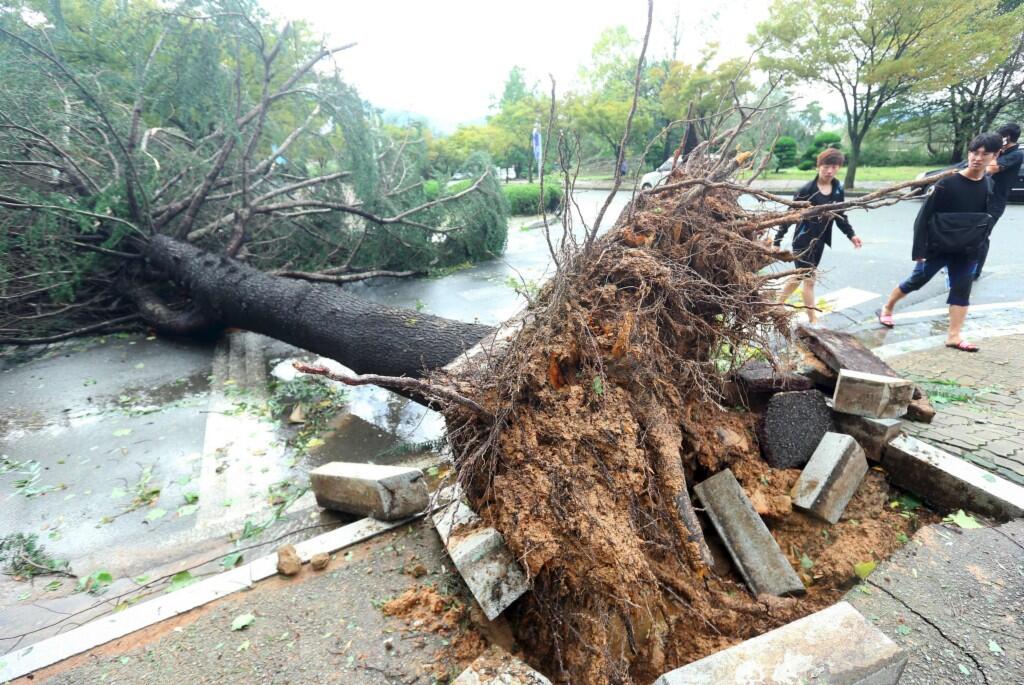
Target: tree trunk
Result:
[851, 163]
[319, 317]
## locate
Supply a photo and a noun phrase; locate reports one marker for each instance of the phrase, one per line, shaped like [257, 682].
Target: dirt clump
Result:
[423, 609]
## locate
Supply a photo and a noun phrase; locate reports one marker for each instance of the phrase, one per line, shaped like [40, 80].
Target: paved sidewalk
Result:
[979, 400]
[953, 599]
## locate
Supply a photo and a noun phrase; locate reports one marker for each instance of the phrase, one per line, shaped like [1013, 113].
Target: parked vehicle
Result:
[1016, 190]
[658, 176]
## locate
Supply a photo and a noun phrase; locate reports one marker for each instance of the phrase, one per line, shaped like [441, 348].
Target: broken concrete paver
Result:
[498, 667]
[479, 553]
[387, 493]
[831, 477]
[793, 425]
[758, 376]
[869, 394]
[750, 544]
[948, 482]
[837, 646]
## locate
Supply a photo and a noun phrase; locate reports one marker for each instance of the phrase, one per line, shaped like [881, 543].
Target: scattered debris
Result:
[753, 549]
[387, 493]
[872, 395]
[837, 645]
[498, 667]
[320, 561]
[871, 434]
[948, 482]
[481, 557]
[793, 425]
[288, 562]
[831, 477]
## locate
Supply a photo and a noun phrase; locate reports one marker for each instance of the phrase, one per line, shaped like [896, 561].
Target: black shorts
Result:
[808, 252]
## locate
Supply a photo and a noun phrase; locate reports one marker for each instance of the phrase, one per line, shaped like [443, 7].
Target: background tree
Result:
[871, 52]
[784, 152]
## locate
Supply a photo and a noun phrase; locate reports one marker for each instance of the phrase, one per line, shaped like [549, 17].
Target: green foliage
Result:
[784, 152]
[821, 141]
[525, 198]
[22, 555]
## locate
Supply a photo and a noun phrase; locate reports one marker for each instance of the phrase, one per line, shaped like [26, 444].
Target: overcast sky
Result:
[448, 59]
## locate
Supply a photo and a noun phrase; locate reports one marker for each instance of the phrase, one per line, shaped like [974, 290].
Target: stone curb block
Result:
[871, 434]
[497, 667]
[872, 395]
[835, 646]
[949, 482]
[387, 493]
[753, 549]
[492, 574]
[831, 477]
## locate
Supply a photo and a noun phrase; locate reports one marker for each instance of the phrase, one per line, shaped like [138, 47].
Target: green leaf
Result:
[180, 580]
[187, 510]
[117, 493]
[598, 385]
[23, 596]
[53, 585]
[156, 514]
[244, 647]
[191, 497]
[964, 669]
[242, 621]
[806, 563]
[864, 568]
[902, 538]
[185, 480]
[963, 520]
[141, 580]
[994, 647]
[903, 630]
[231, 560]
[122, 432]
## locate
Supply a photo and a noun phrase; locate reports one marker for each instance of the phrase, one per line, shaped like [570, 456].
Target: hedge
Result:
[524, 198]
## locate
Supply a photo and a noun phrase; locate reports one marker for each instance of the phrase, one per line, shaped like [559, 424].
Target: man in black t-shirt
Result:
[1004, 170]
[967, 191]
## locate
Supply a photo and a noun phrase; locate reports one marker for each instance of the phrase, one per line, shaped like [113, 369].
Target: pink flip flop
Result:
[885, 319]
[963, 346]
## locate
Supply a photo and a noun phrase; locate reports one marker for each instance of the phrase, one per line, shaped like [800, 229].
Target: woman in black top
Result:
[812, 235]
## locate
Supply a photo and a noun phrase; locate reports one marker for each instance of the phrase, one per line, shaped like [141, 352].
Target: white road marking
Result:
[942, 311]
[844, 298]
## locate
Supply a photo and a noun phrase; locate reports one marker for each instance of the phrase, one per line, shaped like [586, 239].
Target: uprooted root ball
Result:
[608, 403]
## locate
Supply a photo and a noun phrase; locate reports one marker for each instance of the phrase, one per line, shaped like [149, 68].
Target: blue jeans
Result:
[961, 277]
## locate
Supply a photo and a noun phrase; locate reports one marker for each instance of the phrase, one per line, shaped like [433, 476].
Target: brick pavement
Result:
[985, 423]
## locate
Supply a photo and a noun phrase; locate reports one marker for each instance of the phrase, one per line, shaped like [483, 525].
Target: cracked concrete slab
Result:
[953, 599]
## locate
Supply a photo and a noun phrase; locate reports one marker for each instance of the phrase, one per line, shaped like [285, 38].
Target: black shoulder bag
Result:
[959, 233]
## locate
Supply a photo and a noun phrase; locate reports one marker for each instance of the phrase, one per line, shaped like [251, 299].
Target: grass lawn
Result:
[892, 174]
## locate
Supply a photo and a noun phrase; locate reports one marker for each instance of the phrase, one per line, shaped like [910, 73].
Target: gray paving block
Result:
[497, 667]
[753, 549]
[757, 376]
[793, 425]
[948, 482]
[871, 434]
[869, 394]
[387, 493]
[479, 553]
[835, 646]
[831, 477]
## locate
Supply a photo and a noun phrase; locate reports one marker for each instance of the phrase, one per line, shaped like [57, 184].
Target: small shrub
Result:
[524, 198]
[806, 165]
